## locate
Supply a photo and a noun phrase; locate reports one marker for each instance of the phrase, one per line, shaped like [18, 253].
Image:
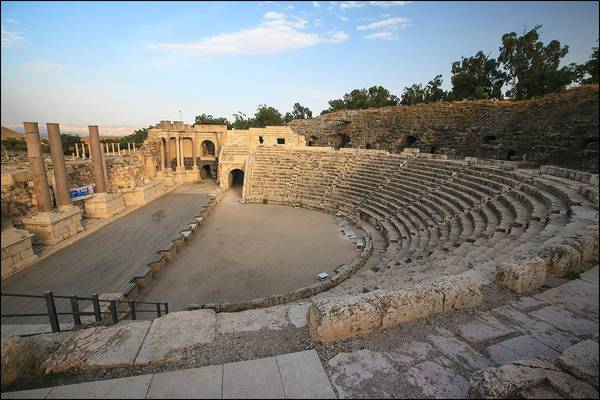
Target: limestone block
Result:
[459, 292]
[521, 276]
[23, 356]
[581, 361]
[409, 304]
[560, 258]
[338, 318]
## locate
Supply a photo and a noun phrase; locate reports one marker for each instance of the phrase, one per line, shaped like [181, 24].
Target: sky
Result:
[126, 65]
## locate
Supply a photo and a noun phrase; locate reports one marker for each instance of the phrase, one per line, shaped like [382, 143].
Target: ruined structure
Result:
[559, 129]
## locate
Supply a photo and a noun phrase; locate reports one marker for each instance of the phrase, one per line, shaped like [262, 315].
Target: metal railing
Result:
[113, 310]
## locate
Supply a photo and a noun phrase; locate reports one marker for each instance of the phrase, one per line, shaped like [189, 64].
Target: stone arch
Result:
[206, 171]
[235, 179]
[208, 148]
[410, 141]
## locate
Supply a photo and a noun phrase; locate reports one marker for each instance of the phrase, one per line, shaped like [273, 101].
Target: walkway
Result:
[106, 260]
[294, 375]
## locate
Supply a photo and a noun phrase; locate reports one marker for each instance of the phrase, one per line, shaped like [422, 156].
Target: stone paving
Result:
[295, 375]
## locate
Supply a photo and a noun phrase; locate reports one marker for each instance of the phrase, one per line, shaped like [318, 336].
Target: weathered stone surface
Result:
[194, 383]
[297, 313]
[510, 380]
[485, 327]
[590, 276]
[560, 258]
[437, 381]
[400, 306]
[338, 318]
[566, 321]
[174, 332]
[23, 356]
[459, 293]
[581, 361]
[407, 353]
[99, 347]
[519, 348]
[576, 296]
[523, 276]
[457, 351]
[259, 379]
[132, 387]
[303, 376]
[349, 373]
[252, 320]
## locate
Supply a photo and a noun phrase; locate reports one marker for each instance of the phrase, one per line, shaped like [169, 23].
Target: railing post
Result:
[113, 311]
[96, 304]
[166, 308]
[75, 311]
[157, 310]
[132, 310]
[51, 311]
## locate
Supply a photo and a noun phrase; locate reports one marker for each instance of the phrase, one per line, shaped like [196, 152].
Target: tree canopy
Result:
[357, 99]
[477, 77]
[210, 120]
[298, 112]
[588, 71]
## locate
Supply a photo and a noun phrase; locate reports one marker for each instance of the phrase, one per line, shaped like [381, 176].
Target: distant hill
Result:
[9, 133]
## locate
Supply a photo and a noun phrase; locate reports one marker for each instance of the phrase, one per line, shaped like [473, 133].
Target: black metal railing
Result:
[113, 310]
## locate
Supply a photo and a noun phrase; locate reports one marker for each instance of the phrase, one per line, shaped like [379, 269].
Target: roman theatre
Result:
[471, 218]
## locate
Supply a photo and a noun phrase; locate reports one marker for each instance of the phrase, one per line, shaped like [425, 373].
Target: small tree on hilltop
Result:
[532, 67]
[477, 77]
[414, 94]
[299, 112]
[205, 119]
[266, 115]
[588, 72]
[434, 91]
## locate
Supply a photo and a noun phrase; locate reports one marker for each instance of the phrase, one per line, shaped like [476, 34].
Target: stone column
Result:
[97, 158]
[178, 149]
[38, 170]
[58, 161]
[77, 150]
[83, 151]
[119, 148]
[194, 164]
[128, 148]
[113, 149]
[162, 155]
[106, 148]
[168, 153]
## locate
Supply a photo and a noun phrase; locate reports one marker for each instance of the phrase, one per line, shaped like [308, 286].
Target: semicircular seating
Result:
[435, 217]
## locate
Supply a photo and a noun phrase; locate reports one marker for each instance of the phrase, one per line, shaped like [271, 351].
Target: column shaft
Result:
[38, 169]
[77, 150]
[177, 143]
[58, 162]
[194, 164]
[162, 155]
[97, 159]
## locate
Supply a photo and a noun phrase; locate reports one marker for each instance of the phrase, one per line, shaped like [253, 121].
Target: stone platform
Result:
[17, 251]
[143, 194]
[104, 205]
[55, 226]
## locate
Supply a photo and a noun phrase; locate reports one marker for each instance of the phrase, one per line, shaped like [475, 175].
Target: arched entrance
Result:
[236, 180]
[410, 141]
[208, 148]
[206, 172]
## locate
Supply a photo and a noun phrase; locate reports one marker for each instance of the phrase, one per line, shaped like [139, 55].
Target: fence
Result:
[113, 310]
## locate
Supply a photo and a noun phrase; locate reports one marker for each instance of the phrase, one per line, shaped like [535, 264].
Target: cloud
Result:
[351, 4]
[11, 39]
[318, 22]
[316, 4]
[388, 24]
[381, 36]
[42, 65]
[387, 4]
[274, 34]
[344, 18]
[11, 20]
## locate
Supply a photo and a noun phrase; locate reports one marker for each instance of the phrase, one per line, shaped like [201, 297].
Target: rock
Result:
[459, 292]
[99, 347]
[409, 304]
[437, 381]
[341, 317]
[560, 258]
[581, 361]
[457, 351]
[174, 332]
[521, 277]
[23, 356]
[252, 320]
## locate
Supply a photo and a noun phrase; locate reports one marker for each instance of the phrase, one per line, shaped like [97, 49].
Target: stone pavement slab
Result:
[303, 376]
[485, 327]
[581, 360]
[27, 394]
[590, 276]
[566, 321]
[519, 348]
[437, 381]
[195, 383]
[133, 387]
[457, 351]
[174, 332]
[273, 318]
[252, 379]
[577, 296]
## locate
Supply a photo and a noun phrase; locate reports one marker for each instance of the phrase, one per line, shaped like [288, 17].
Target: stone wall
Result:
[559, 129]
[18, 198]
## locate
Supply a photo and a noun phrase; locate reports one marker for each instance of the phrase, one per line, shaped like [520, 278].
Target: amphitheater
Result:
[445, 274]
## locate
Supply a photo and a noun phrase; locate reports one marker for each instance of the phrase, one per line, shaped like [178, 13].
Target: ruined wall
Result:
[18, 197]
[560, 129]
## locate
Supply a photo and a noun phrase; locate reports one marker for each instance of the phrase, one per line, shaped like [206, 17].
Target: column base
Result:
[104, 205]
[17, 251]
[179, 175]
[143, 194]
[54, 226]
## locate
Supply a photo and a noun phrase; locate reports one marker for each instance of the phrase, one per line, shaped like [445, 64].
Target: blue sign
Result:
[83, 192]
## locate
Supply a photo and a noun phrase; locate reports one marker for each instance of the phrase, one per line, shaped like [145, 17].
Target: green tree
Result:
[414, 94]
[210, 120]
[532, 67]
[477, 77]
[266, 115]
[359, 99]
[588, 71]
[68, 142]
[381, 97]
[241, 121]
[299, 112]
[434, 91]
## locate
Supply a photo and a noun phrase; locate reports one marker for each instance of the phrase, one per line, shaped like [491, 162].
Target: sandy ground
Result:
[247, 251]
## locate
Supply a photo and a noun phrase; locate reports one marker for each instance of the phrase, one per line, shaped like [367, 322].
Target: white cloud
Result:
[43, 65]
[388, 24]
[318, 22]
[381, 36]
[11, 39]
[11, 20]
[351, 4]
[316, 4]
[275, 34]
[344, 18]
[387, 4]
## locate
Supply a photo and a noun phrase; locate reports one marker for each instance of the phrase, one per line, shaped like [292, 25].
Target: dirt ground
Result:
[247, 251]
